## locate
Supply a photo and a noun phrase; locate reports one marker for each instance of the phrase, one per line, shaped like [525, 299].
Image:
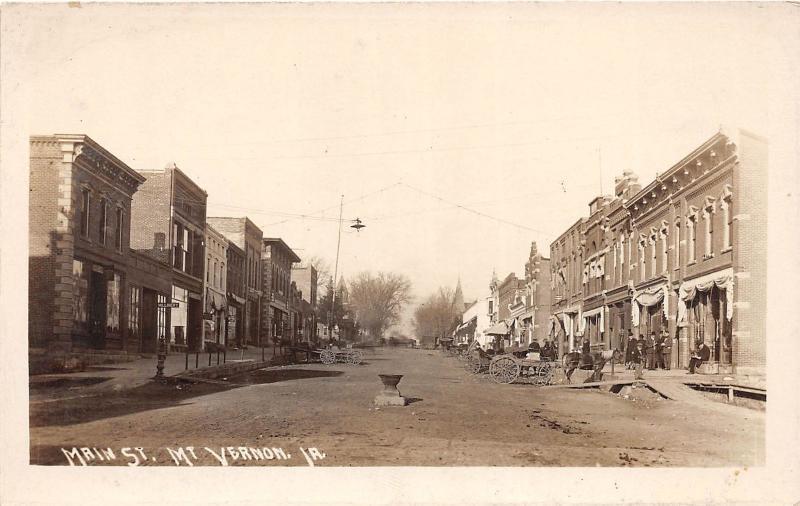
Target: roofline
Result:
[281, 241]
[95, 145]
[675, 167]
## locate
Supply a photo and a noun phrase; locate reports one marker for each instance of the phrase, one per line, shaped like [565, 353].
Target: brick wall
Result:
[750, 254]
[45, 162]
[150, 216]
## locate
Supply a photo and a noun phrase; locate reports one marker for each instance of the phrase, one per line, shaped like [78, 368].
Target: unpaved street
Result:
[454, 419]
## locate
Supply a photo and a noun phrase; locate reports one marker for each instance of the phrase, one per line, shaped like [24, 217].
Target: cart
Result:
[330, 356]
[346, 356]
[508, 369]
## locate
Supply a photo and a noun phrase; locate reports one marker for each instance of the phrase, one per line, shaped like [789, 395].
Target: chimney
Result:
[626, 186]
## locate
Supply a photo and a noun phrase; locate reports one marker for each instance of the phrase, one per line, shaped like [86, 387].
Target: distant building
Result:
[216, 301]
[247, 237]
[306, 278]
[276, 262]
[537, 298]
[236, 294]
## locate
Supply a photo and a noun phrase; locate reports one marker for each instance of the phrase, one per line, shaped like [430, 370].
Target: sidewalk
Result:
[681, 375]
[117, 377]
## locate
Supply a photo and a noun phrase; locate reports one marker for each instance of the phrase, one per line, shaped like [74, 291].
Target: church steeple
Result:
[458, 297]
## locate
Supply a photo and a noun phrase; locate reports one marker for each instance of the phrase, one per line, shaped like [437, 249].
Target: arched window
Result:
[708, 217]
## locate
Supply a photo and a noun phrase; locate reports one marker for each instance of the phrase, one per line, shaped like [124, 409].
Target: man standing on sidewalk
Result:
[665, 350]
[650, 349]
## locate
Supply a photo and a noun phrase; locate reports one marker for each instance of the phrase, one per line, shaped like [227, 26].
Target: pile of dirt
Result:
[640, 394]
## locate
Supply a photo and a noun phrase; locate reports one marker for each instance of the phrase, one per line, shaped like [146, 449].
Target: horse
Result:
[595, 361]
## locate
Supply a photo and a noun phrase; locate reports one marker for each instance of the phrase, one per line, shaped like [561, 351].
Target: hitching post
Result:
[162, 356]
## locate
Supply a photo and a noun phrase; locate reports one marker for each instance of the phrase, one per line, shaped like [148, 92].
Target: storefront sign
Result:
[168, 304]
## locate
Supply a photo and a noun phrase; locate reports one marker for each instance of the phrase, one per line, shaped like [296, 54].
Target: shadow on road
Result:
[112, 404]
[263, 376]
[65, 383]
[411, 400]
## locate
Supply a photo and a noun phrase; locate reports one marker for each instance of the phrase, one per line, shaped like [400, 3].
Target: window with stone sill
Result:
[120, 228]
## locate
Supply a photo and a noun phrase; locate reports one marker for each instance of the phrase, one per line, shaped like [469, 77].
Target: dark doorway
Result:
[149, 321]
[97, 310]
[194, 323]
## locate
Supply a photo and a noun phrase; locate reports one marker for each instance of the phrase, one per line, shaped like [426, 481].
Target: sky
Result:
[458, 134]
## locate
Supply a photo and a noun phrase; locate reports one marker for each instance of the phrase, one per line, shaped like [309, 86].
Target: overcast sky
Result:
[522, 113]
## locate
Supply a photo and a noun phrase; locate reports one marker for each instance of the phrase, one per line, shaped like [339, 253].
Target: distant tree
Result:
[377, 300]
[438, 315]
[323, 269]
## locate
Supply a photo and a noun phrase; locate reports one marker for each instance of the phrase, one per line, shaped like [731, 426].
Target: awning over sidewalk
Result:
[647, 298]
[500, 329]
[688, 291]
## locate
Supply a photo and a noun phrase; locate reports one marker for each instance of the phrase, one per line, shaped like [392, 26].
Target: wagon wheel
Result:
[542, 374]
[473, 365]
[504, 370]
[355, 358]
[327, 357]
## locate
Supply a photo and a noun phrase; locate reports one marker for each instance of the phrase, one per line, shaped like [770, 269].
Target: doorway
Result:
[97, 310]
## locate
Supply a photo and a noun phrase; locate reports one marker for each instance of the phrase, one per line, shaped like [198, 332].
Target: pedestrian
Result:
[666, 349]
[630, 349]
[638, 357]
[650, 350]
[586, 355]
[701, 354]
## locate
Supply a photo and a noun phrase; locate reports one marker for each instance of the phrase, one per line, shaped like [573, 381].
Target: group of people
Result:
[548, 352]
[654, 353]
[651, 352]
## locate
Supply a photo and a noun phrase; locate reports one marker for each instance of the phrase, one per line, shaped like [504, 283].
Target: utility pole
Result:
[335, 271]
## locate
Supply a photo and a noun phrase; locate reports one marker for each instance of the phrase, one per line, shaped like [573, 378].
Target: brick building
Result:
[537, 297]
[79, 232]
[686, 253]
[247, 237]
[169, 215]
[566, 266]
[215, 298]
[276, 264]
[236, 292]
[305, 276]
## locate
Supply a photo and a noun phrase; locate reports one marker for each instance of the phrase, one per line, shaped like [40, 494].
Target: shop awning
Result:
[688, 291]
[500, 329]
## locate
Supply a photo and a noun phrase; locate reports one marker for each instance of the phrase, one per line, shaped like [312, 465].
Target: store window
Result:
[134, 310]
[112, 302]
[178, 316]
[162, 316]
[80, 295]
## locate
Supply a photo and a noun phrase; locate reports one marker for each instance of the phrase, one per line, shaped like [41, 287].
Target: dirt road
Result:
[454, 419]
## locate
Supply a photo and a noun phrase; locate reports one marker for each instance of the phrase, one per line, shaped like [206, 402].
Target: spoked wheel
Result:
[327, 357]
[541, 375]
[473, 365]
[355, 357]
[504, 370]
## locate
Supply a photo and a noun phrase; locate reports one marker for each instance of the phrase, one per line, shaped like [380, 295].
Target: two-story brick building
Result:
[79, 233]
[170, 217]
[276, 267]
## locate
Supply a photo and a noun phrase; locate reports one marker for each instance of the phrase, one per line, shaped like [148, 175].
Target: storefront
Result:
[649, 309]
[592, 326]
[705, 313]
[215, 317]
[186, 319]
[97, 305]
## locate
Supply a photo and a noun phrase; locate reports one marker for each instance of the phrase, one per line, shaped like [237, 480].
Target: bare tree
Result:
[437, 316]
[324, 273]
[378, 299]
